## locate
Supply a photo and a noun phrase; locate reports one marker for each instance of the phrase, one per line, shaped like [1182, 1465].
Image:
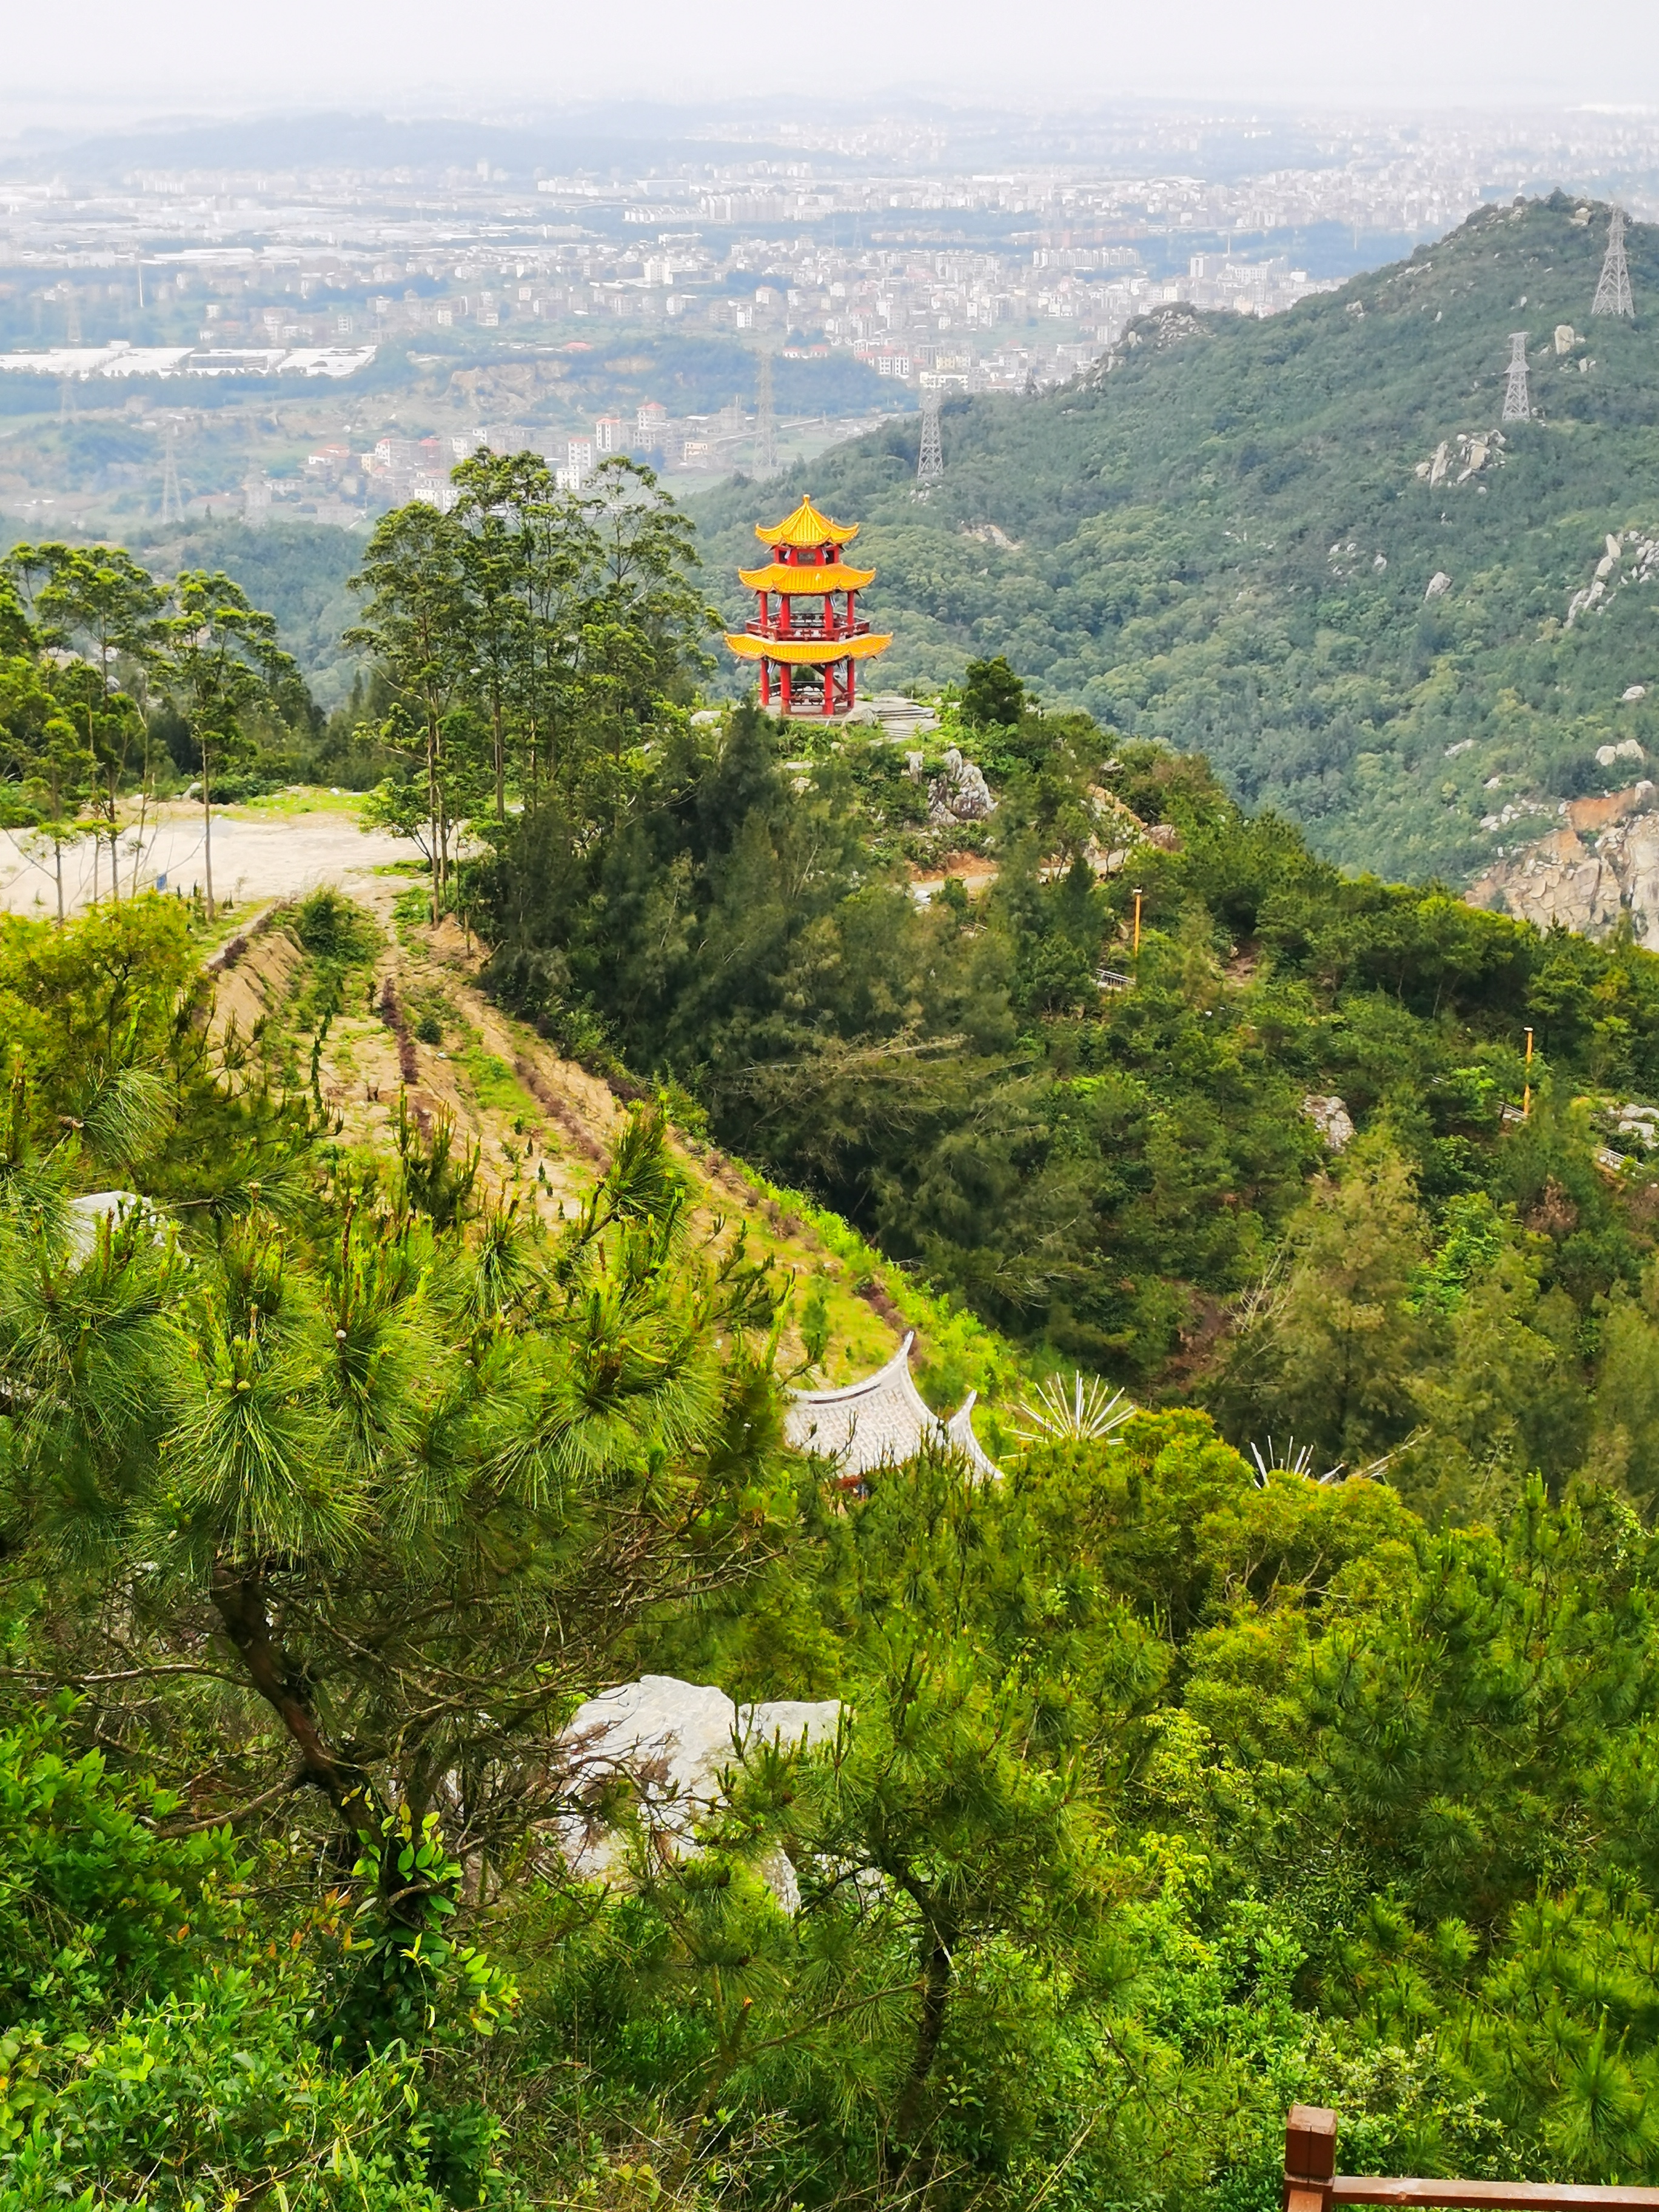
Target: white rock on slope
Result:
[1331, 1117]
[669, 1743]
[960, 795]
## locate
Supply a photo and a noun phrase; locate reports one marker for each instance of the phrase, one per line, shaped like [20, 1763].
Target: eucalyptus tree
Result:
[416, 627]
[219, 658]
[643, 621]
[45, 759]
[97, 602]
[496, 494]
[531, 557]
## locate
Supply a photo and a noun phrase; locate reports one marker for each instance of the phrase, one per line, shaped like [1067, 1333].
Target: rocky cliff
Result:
[1600, 860]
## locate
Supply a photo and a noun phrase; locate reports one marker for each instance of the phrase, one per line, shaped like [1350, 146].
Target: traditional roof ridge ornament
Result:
[882, 1421]
[807, 646]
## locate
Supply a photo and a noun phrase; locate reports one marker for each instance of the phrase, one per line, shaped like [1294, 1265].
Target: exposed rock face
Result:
[1603, 862]
[1466, 454]
[1632, 559]
[960, 795]
[666, 1743]
[1331, 1117]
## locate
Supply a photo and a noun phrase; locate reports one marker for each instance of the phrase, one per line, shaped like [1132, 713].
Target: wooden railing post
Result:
[1309, 2158]
[1312, 2183]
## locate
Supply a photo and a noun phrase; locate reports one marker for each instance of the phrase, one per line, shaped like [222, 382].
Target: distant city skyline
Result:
[310, 316]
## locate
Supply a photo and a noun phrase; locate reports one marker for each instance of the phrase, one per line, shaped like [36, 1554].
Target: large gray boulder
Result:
[665, 1744]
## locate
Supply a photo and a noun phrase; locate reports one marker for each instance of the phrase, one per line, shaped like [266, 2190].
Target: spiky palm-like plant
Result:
[1087, 1412]
[1294, 1459]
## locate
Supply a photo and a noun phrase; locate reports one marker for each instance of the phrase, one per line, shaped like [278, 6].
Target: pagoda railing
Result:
[806, 629]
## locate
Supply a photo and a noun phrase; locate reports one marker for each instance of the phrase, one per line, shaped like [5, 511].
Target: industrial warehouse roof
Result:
[881, 1422]
[806, 527]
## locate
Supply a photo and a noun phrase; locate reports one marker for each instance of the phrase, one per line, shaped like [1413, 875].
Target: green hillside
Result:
[1224, 540]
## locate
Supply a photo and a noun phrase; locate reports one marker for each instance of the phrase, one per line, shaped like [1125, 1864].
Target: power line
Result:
[930, 457]
[172, 504]
[766, 442]
[1612, 294]
[1517, 406]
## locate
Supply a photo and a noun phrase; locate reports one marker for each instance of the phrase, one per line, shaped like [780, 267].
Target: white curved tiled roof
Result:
[881, 1422]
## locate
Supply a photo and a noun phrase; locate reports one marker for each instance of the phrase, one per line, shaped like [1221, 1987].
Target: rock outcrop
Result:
[960, 793]
[1331, 1117]
[1601, 862]
[665, 1744]
[1456, 459]
[1630, 559]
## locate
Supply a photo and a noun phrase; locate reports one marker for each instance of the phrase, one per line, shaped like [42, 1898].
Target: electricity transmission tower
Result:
[930, 460]
[1612, 294]
[766, 440]
[1517, 406]
[172, 504]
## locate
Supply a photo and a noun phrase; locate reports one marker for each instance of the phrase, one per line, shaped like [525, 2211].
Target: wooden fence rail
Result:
[1312, 2183]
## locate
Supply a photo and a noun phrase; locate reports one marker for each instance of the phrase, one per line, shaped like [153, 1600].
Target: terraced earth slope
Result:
[406, 1034]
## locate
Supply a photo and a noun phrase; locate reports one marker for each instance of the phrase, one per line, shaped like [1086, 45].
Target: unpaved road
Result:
[256, 856]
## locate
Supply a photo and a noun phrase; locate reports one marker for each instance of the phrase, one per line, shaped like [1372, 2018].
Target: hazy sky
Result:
[433, 56]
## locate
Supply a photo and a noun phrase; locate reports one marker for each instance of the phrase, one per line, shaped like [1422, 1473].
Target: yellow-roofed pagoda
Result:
[809, 650]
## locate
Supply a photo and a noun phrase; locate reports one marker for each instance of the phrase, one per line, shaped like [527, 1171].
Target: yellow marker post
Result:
[1137, 921]
[1526, 1095]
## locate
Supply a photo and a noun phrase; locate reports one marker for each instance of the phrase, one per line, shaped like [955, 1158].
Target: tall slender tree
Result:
[220, 660]
[44, 758]
[498, 492]
[642, 625]
[97, 601]
[416, 628]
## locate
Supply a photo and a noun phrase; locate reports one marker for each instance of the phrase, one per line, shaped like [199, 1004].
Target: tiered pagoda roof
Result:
[807, 526]
[806, 576]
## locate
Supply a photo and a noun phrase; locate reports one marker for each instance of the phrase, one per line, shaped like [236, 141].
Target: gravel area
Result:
[255, 856]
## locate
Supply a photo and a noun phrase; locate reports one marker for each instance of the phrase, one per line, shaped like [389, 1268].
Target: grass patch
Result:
[313, 799]
[341, 943]
[496, 1087]
[412, 910]
[431, 1011]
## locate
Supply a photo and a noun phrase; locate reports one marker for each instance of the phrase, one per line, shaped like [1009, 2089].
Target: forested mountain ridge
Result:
[1227, 536]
